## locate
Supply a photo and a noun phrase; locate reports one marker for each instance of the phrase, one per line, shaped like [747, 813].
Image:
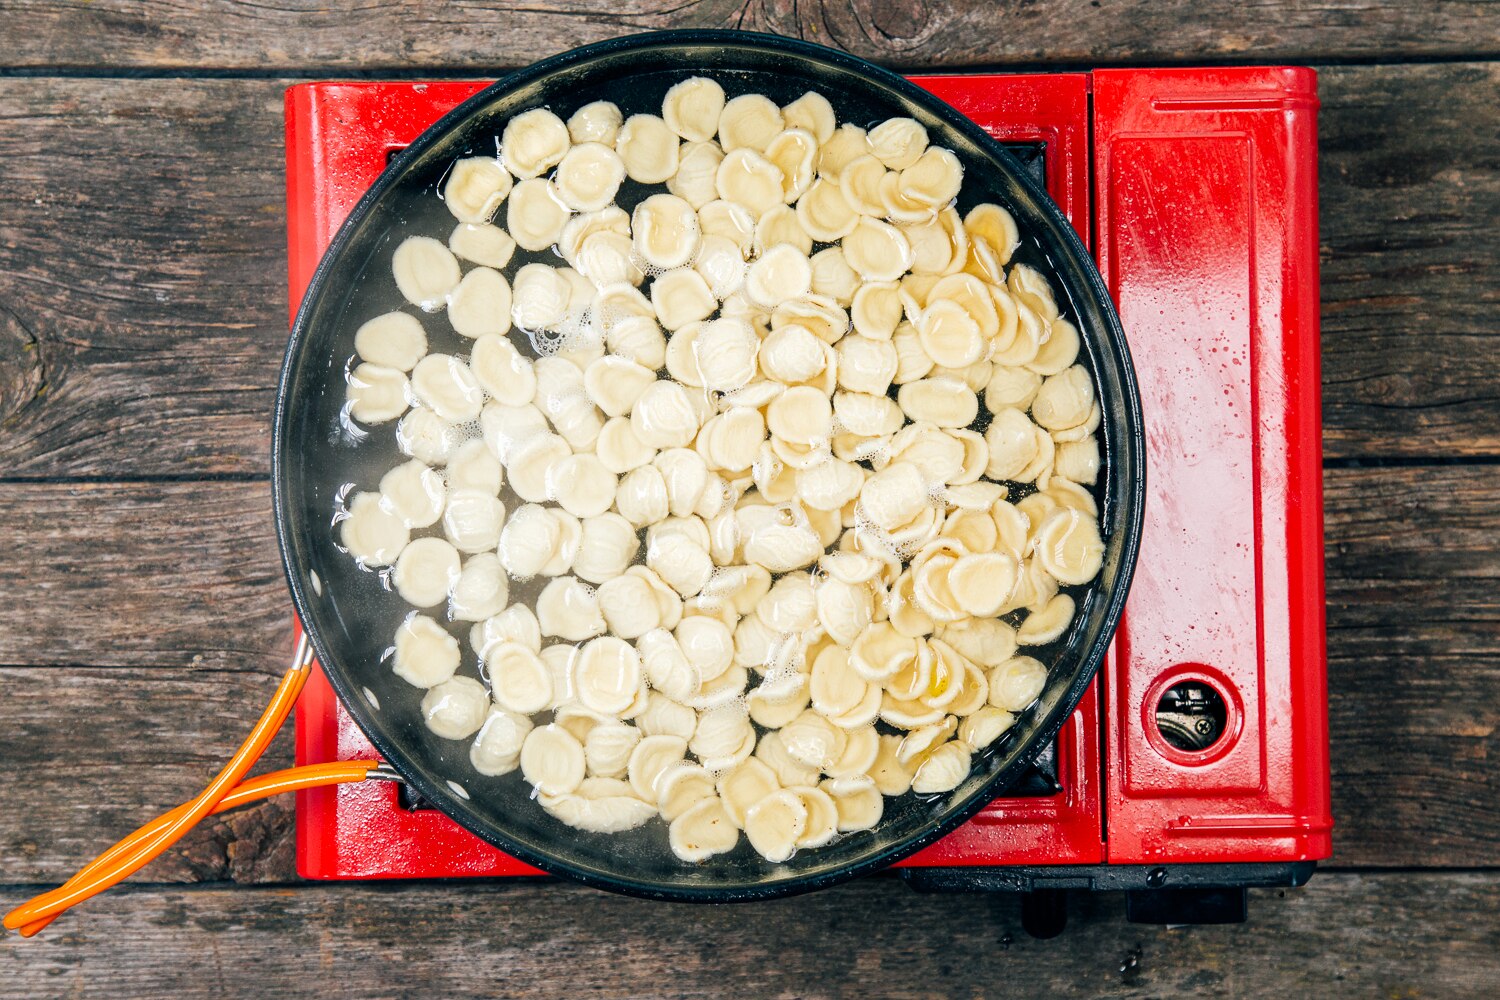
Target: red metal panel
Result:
[339, 136]
[1064, 828]
[1207, 235]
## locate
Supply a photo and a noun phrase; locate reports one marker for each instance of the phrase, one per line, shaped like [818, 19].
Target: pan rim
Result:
[1130, 504]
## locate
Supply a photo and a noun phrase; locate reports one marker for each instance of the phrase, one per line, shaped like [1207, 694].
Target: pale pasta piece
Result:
[1058, 351]
[568, 609]
[692, 108]
[600, 805]
[414, 493]
[664, 416]
[614, 383]
[833, 278]
[1064, 400]
[933, 179]
[425, 271]
[502, 371]
[801, 415]
[731, 221]
[648, 148]
[481, 589]
[780, 274]
[1016, 683]
[724, 736]
[1069, 548]
[824, 213]
[774, 824]
[447, 387]
[528, 541]
[516, 623]
[481, 243]
[392, 340]
[608, 545]
[944, 769]
[847, 144]
[682, 788]
[581, 485]
[795, 153]
[552, 760]
[726, 354]
[529, 462]
[665, 231]
[588, 177]
[480, 305]
[1078, 461]
[607, 747]
[456, 708]
[425, 654]
[877, 250]
[703, 831]
[681, 296]
[473, 520]
[607, 674]
[596, 122]
[475, 188]
[744, 785]
[533, 142]
[749, 121]
[898, 142]
[748, 179]
[942, 401]
[619, 450]
[866, 365]
[859, 182]
[857, 802]
[780, 225]
[697, 170]
[569, 538]
[496, 749]
[535, 214]
[982, 582]
[642, 496]
[377, 394]
[651, 760]
[425, 572]
[812, 112]
[373, 535]
[1011, 388]
[721, 264]
[1048, 624]
[520, 681]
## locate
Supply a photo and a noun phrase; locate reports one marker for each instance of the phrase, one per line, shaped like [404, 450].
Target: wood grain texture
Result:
[143, 298]
[105, 750]
[1409, 178]
[403, 33]
[143, 574]
[1432, 935]
[166, 623]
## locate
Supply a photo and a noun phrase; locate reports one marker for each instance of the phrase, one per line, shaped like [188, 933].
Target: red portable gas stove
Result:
[1197, 763]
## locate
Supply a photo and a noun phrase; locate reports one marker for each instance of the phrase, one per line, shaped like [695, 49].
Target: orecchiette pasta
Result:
[710, 566]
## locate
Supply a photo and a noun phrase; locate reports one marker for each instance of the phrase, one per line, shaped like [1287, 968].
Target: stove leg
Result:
[1044, 912]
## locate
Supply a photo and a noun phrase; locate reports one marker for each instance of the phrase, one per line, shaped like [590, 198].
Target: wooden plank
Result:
[151, 347]
[1410, 228]
[1434, 935]
[96, 752]
[235, 34]
[143, 297]
[1413, 620]
[143, 574]
[167, 620]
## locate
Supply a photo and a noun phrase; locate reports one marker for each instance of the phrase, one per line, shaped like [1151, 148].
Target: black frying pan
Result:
[350, 618]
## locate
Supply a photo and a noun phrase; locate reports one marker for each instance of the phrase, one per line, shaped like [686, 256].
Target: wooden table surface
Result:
[144, 620]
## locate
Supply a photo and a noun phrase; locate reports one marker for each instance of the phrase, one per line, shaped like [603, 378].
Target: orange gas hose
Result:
[137, 850]
[251, 790]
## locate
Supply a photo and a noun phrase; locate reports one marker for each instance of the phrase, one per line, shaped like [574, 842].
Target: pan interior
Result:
[351, 618]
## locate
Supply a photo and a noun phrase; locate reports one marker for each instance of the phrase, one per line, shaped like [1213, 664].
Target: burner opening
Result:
[1191, 716]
